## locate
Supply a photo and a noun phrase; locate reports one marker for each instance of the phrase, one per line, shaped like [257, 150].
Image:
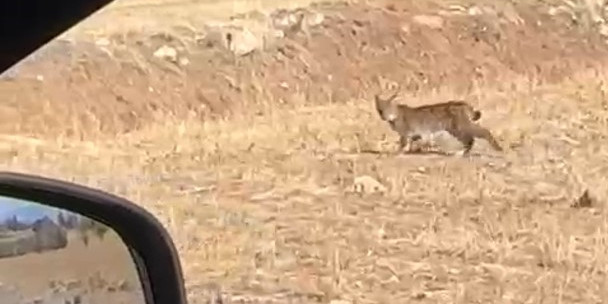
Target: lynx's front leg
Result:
[405, 142]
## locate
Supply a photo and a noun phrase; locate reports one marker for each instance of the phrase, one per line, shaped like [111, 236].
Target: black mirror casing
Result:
[26, 25]
[151, 246]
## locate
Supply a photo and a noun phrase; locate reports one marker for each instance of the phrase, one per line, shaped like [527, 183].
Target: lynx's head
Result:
[387, 108]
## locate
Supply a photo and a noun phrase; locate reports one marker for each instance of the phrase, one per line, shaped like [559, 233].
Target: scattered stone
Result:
[291, 21]
[102, 42]
[434, 22]
[243, 42]
[284, 19]
[457, 8]
[314, 19]
[368, 184]
[603, 30]
[166, 52]
[183, 61]
[553, 11]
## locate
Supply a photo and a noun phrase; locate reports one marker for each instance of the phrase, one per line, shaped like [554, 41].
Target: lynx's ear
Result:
[381, 105]
[386, 108]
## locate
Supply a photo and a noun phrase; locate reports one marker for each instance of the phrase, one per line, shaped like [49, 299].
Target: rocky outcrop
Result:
[325, 53]
[48, 235]
[42, 236]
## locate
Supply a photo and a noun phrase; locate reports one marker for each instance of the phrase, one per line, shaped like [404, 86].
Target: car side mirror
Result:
[65, 243]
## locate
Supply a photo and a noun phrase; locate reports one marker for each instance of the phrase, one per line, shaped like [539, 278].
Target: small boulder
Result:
[314, 19]
[367, 184]
[434, 22]
[243, 42]
[166, 52]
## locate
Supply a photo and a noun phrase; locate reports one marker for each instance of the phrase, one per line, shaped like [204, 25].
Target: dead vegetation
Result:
[272, 193]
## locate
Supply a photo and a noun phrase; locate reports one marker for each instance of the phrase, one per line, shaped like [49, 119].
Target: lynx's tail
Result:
[476, 115]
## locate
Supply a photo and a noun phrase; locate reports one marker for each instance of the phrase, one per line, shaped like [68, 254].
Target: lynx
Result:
[455, 117]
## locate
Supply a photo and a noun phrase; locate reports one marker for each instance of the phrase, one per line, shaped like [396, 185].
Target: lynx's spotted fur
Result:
[455, 117]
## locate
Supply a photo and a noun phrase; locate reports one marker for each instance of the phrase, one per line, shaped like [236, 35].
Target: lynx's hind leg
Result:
[464, 137]
[403, 143]
[481, 132]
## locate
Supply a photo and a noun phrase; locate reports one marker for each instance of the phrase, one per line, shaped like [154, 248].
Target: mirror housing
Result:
[150, 245]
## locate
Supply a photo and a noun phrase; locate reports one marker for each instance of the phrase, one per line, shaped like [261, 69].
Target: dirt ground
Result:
[254, 163]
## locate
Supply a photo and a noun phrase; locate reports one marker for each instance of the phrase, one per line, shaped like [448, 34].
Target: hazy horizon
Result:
[27, 211]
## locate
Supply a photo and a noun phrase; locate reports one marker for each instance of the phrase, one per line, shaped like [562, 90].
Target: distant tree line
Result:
[83, 225]
[67, 221]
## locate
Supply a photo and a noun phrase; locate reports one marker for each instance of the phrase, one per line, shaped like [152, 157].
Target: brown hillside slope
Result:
[122, 86]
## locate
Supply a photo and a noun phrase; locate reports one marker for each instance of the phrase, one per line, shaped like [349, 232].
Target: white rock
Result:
[435, 22]
[553, 11]
[184, 61]
[102, 42]
[475, 11]
[314, 19]
[244, 42]
[368, 184]
[166, 52]
[277, 34]
[604, 30]
[457, 8]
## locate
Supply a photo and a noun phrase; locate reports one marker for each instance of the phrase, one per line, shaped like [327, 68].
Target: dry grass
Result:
[261, 203]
